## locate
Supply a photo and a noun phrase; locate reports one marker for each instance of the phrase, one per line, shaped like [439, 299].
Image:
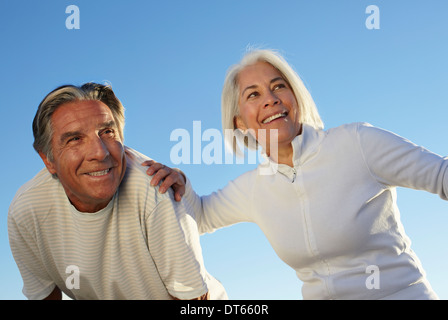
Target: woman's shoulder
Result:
[351, 128]
[349, 132]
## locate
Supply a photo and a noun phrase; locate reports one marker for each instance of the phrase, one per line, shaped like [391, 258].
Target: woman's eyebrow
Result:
[277, 79]
[248, 88]
[255, 86]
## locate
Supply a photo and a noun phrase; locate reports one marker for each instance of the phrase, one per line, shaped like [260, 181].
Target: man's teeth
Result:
[98, 173]
[275, 116]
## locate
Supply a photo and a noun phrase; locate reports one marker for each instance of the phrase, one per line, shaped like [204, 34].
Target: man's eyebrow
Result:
[108, 124]
[71, 134]
[255, 86]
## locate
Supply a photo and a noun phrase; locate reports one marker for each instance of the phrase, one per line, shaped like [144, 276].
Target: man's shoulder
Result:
[41, 178]
[35, 194]
[137, 183]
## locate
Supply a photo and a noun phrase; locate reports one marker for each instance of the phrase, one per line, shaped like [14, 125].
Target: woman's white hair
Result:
[308, 113]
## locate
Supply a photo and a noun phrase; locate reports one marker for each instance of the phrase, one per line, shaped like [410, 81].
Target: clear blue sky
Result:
[166, 61]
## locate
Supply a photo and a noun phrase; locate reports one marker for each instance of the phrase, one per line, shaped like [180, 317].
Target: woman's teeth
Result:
[275, 116]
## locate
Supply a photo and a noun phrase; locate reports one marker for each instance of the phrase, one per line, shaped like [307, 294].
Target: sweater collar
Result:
[305, 146]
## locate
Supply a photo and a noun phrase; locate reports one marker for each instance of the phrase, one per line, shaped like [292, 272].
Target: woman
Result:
[328, 206]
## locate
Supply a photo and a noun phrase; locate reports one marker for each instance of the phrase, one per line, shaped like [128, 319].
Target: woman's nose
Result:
[271, 99]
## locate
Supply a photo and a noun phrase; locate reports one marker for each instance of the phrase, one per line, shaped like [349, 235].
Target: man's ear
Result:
[239, 124]
[50, 165]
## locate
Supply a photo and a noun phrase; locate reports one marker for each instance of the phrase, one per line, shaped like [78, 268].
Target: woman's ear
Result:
[239, 124]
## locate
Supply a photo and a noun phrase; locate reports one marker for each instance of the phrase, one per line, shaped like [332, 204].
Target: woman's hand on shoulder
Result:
[170, 177]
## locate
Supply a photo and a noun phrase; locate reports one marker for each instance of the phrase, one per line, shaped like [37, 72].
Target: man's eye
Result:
[108, 132]
[73, 139]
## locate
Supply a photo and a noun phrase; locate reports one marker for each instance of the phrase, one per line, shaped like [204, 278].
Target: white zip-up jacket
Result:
[334, 217]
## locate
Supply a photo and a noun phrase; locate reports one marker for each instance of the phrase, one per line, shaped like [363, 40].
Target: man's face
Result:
[88, 154]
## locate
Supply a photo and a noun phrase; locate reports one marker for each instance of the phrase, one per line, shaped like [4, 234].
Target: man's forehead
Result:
[81, 113]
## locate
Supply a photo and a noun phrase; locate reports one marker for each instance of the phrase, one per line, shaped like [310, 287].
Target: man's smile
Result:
[99, 173]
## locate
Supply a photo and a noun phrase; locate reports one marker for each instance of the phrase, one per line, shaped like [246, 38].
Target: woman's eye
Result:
[252, 95]
[279, 86]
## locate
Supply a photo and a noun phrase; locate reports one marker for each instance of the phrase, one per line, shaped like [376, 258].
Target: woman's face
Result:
[266, 101]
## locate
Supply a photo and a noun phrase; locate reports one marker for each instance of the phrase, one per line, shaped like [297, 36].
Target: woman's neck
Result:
[285, 152]
[284, 155]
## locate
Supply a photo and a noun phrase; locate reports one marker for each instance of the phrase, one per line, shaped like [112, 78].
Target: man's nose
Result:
[97, 149]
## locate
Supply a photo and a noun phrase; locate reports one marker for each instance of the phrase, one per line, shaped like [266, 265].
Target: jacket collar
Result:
[305, 146]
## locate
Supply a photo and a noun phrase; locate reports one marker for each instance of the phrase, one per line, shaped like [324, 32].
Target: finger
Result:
[182, 176]
[159, 176]
[169, 181]
[147, 163]
[179, 191]
[154, 167]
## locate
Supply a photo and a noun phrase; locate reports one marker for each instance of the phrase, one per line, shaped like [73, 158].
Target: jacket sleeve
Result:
[395, 161]
[222, 208]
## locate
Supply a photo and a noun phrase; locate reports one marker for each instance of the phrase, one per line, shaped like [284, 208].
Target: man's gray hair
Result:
[42, 127]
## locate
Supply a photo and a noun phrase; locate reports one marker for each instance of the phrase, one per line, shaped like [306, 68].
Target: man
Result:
[90, 224]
